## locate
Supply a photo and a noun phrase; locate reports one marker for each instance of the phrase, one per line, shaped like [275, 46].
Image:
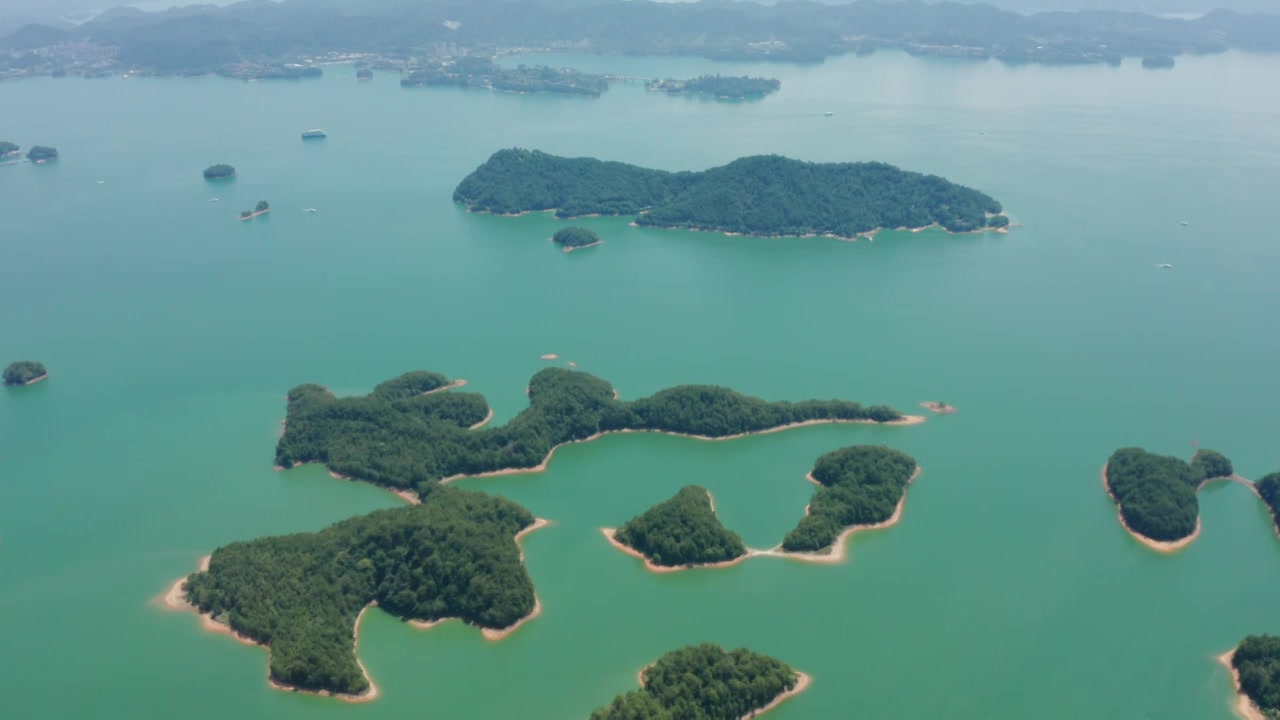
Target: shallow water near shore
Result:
[172, 332]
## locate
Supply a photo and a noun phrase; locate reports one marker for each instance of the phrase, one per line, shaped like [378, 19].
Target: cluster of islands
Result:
[415, 433]
[36, 153]
[25, 372]
[763, 196]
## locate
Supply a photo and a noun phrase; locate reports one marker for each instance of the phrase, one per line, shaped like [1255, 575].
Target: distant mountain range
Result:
[201, 39]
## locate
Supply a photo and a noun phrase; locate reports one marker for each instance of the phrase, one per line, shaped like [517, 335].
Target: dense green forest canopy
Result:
[720, 86]
[482, 72]
[1269, 489]
[23, 372]
[40, 152]
[412, 442]
[681, 531]
[860, 485]
[764, 195]
[703, 682]
[1211, 464]
[273, 35]
[262, 206]
[1157, 493]
[575, 237]
[217, 172]
[7, 148]
[1257, 659]
[451, 556]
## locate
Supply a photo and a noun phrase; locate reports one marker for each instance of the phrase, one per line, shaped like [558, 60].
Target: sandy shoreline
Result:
[549, 356]
[176, 599]
[255, 214]
[483, 422]
[1244, 707]
[1157, 545]
[569, 249]
[835, 555]
[542, 466]
[33, 381]
[868, 235]
[500, 633]
[447, 386]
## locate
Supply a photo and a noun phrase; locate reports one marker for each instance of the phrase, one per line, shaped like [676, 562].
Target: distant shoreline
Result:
[1244, 707]
[542, 466]
[803, 680]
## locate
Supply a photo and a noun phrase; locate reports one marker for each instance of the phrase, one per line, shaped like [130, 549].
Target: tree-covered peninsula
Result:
[1256, 662]
[1156, 494]
[682, 531]
[703, 682]
[262, 208]
[860, 485]
[572, 238]
[1269, 490]
[400, 438]
[40, 153]
[219, 172]
[8, 148]
[765, 195]
[24, 372]
[453, 556]
[723, 87]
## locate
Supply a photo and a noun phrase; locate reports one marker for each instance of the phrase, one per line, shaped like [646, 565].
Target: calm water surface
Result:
[173, 331]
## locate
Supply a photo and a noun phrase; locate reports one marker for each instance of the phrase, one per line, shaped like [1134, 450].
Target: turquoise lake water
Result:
[172, 333]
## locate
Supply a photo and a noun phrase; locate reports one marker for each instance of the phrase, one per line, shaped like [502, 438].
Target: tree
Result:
[40, 153]
[23, 372]
[218, 172]
[681, 531]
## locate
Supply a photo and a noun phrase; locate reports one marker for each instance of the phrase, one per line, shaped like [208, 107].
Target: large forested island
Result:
[406, 436]
[681, 532]
[25, 372]
[301, 595]
[860, 486]
[1156, 494]
[725, 87]
[764, 195]
[1255, 663]
[482, 72]
[703, 682]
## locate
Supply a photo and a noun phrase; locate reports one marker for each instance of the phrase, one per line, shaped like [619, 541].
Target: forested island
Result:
[1269, 490]
[860, 486]
[574, 238]
[703, 682]
[364, 74]
[406, 436]
[301, 595]
[219, 172]
[764, 195]
[719, 86]
[40, 153]
[681, 532]
[244, 40]
[25, 372]
[483, 72]
[262, 208]
[8, 148]
[1156, 494]
[1255, 665]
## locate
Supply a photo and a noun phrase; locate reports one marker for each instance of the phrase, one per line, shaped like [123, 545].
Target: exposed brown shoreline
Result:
[1244, 707]
[483, 422]
[542, 466]
[835, 555]
[447, 386]
[570, 249]
[1175, 545]
[255, 214]
[940, 408]
[176, 599]
[33, 381]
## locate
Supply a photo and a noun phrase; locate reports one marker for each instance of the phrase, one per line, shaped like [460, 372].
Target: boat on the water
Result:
[314, 135]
